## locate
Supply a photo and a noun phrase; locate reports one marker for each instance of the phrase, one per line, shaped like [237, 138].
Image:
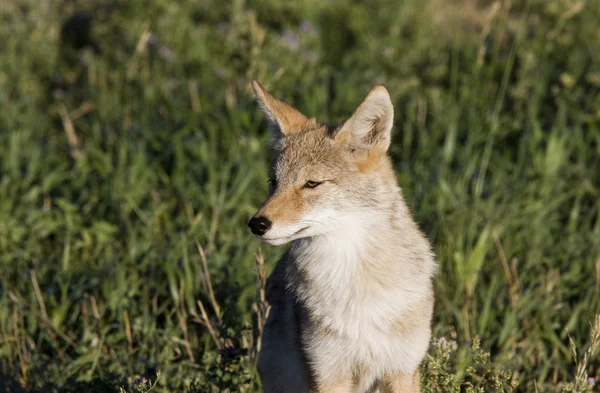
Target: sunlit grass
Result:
[128, 173]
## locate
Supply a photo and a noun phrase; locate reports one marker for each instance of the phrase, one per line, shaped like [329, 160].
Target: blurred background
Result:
[132, 153]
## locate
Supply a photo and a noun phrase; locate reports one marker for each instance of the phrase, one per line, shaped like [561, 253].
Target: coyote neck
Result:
[362, 257]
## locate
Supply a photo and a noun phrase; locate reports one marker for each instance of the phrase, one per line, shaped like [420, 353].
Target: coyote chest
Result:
[354, 313]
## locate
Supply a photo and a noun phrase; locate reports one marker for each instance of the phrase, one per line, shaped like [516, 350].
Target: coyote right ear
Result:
[283, 119]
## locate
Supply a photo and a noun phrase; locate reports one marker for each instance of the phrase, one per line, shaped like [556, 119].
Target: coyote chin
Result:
[352, 299]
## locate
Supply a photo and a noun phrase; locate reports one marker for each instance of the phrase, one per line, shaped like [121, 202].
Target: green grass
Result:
[102, 238]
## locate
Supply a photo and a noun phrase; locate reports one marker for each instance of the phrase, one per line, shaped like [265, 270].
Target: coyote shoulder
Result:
[352, 299]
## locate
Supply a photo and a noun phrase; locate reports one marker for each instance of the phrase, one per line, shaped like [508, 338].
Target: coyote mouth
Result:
[286, 237]
[299, 231]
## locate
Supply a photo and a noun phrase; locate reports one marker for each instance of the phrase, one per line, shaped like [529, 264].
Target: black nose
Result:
[259, 225]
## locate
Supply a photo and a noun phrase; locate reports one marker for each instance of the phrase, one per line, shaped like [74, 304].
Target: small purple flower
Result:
[221, 72]
[229, 351]
[591, 381]
[443, 343]
[166, 52]
[291, 39]
[152, 40]
[139, 381]
[306, 26]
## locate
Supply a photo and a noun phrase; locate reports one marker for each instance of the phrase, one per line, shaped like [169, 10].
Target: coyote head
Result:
[325, 179]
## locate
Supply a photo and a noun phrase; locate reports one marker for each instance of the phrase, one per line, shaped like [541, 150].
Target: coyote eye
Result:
[312, 184]
[272, 184]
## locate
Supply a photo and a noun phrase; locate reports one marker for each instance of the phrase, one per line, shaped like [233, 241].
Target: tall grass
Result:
[128, 169]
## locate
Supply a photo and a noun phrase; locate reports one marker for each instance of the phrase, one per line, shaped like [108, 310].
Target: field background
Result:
[132, 153]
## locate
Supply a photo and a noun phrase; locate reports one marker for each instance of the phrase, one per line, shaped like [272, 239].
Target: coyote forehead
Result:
[309, 155]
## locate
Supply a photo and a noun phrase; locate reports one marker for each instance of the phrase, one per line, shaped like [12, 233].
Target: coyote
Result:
[352, 299]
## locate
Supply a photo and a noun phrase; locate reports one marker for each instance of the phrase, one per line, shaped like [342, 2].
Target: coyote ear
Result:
[283, 119]
[370, 125]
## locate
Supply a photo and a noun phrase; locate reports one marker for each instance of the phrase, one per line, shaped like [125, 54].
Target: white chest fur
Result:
[356, 285]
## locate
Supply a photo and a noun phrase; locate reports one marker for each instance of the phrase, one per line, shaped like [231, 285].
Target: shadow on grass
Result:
[107, 384]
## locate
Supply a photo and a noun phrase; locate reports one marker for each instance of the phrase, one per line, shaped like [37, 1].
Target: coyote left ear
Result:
[284, 119]
[370, 125]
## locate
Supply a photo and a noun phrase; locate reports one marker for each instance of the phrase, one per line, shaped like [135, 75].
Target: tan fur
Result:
[371, 161]
[278, 207]
[401, 383]
[352, 299]
[420, 315]
[287, 118]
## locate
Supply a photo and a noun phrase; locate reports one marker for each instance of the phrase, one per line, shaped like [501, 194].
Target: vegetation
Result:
[132, 153]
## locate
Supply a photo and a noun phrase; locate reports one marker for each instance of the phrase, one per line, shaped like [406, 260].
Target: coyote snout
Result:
[259, 225]
[352, 300]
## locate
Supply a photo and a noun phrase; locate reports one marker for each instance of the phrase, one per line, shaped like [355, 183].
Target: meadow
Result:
[132, 153]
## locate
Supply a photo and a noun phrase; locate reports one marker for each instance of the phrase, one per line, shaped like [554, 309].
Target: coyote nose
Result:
[259, 225]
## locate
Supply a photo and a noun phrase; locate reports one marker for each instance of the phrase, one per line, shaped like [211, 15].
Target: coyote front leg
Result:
[343, 386]
[402, 383]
